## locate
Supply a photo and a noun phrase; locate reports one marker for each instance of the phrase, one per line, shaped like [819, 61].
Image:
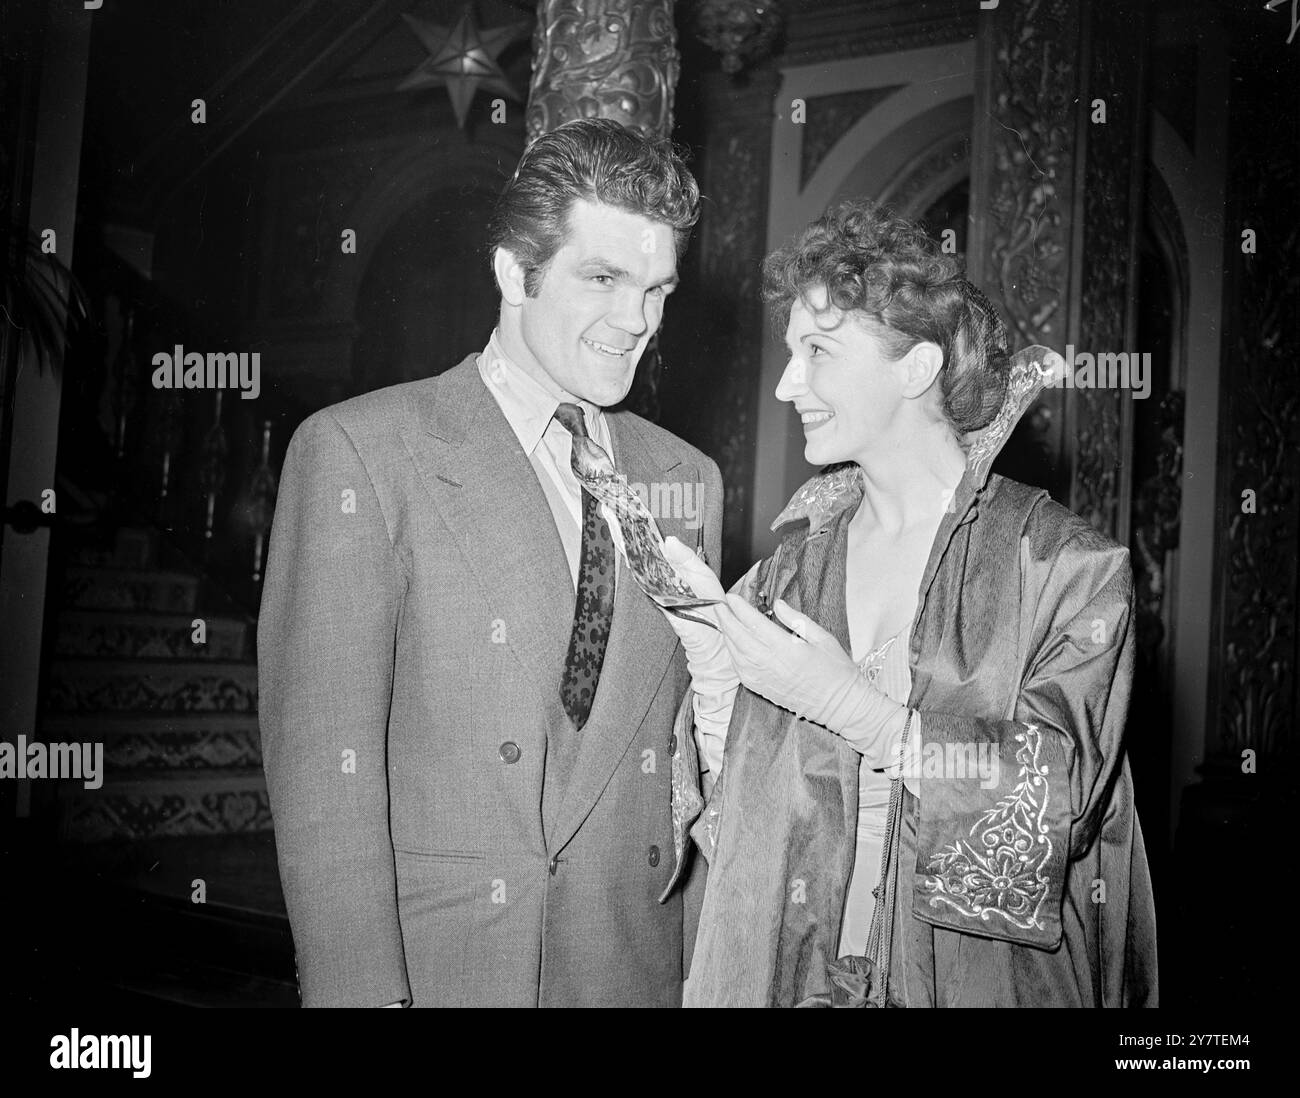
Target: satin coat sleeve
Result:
[1007, 805]
[326, 636]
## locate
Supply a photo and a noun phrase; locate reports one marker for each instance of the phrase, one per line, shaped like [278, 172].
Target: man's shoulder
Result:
[382, 413]
[667, 443]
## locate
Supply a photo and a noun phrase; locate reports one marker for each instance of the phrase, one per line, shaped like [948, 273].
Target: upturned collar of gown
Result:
[826, 494]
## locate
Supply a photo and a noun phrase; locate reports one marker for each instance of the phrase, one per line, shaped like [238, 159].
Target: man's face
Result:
[601, 299]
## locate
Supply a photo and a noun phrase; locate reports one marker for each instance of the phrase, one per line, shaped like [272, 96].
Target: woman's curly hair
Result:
[889, 271]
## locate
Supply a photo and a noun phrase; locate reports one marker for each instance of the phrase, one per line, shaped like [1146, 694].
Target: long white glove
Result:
[810, 674]
[713, 675]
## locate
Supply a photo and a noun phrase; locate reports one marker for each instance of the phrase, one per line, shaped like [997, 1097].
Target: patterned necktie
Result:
[593, 612]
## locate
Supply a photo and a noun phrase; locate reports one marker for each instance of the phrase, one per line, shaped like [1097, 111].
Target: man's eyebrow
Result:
[604, 266]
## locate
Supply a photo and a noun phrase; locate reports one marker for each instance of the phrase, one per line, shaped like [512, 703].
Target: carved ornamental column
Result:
[607, 59]
[603, 59]
[1054, 208]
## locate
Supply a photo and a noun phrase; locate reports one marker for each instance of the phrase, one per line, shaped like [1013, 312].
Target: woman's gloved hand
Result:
[713, 676]
[810, 674]
[692, 570]
[712, 672]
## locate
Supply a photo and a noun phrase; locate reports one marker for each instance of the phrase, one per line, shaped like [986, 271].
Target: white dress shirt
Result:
[529, 405]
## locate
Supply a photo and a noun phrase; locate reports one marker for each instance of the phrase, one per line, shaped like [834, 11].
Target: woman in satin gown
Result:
[910, 717]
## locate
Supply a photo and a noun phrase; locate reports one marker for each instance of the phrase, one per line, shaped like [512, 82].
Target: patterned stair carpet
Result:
[160, 671]
[166, 875]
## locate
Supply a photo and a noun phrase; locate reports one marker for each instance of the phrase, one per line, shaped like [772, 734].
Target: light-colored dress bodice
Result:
[885, 668]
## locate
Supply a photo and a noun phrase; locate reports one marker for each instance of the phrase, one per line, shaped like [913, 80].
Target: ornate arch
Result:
[930, 175]
[885, 129]
[402, 182]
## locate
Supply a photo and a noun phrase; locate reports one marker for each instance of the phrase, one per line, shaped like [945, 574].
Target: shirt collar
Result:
[528, 403]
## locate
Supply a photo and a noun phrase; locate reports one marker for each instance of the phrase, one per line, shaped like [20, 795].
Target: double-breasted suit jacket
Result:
[445, 835]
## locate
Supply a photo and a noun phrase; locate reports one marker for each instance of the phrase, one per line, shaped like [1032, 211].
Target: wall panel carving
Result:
[1100, 488]
[1261, 444]
[1025, 178]
[851, 28]
[1022, 200]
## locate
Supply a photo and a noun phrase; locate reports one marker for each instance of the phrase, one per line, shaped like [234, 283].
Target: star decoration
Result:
[464, 58]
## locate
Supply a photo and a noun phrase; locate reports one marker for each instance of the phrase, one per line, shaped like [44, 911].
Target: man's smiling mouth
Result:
[605, 348]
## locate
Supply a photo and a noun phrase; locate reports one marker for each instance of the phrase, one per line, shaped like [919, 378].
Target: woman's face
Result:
[844, 389]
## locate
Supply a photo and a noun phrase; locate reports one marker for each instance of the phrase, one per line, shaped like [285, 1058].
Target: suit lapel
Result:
[641, 644]
[485, 488]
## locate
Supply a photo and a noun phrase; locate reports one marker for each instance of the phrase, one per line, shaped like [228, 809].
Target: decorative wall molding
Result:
[1195, 187]
[1100, 419]
[1023, 186]
[1257, 642]
[860, 28]
[731, 259]
[931, 175]
[829, 118]
[1158, 504]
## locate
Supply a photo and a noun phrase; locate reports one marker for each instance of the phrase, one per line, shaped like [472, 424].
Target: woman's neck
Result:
[908, 481]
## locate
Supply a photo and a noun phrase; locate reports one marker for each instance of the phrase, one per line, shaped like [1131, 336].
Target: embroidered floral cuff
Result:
[994, 829]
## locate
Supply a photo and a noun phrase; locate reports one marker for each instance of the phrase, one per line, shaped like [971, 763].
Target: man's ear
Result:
[920, 366]
[510, 276]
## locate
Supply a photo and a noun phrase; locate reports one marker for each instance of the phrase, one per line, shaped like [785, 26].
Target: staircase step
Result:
[166, 741]
[170, 803]
[105, 588]
[143, 634]
[180, 980]
[101, 726]
[134, 547]
[180, 741]
[143, 686]
[149, 942]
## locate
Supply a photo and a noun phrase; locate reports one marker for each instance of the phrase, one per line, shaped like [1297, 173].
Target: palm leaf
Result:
[43, 301]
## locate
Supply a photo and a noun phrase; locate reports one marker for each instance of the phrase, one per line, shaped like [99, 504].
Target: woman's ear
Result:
[510, 276]
[921, 366]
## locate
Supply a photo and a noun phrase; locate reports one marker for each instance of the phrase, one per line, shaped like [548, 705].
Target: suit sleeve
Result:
[326, 637]
[1006, 805]
[713, 498]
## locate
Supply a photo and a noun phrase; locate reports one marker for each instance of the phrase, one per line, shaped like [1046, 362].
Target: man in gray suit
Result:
[467, 703]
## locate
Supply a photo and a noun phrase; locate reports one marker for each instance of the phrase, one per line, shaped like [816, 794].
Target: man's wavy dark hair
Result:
[599, 160]
[891, 273]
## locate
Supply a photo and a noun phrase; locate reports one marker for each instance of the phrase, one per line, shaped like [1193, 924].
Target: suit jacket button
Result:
[554, 865]
[509, 752]
[654, 855]
[672, 744]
